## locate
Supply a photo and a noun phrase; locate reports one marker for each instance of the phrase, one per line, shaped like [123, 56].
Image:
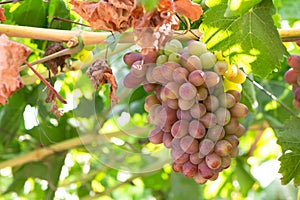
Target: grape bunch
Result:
[292, 76]
[192, 113]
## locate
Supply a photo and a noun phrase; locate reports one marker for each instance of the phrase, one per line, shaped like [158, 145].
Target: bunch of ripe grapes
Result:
[292, 76]
[194, 105]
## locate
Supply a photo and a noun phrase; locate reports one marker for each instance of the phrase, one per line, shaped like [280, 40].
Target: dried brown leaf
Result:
[189, 9]
[154, 28]
[2, 16]
[12, 55]
[100, 73]
[56, 62]
[109, 15]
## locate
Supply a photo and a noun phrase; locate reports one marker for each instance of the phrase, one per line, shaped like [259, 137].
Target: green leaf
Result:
[251, 39]
[244, 176]
[249, 96]
[182, 186]
[149, 5]
[290, 168]
[289, 138]
[288, 9]
[239, 7]
[58, 8]
[31, 13]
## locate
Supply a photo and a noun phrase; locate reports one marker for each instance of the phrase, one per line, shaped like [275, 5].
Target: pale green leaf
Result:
[251, 40]
[239, 7]
[289, 138]
[290, 168]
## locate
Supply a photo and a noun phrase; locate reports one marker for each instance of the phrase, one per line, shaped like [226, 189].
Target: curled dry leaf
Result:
[188, 9]
[109, 15]
[56, 62]
[12, 55]
[100, 73]
[2, 16]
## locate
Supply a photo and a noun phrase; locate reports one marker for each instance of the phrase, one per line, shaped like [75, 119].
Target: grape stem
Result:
[272, 96]
[49, 86]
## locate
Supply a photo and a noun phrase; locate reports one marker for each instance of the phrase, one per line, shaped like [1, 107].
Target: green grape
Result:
[161, 59]
[196, 48]
[208, 60]
[174, 57]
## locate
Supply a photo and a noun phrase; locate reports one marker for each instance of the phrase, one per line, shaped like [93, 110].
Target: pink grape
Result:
[156, 136]
[130, 81]
[195, 158]
[294, 61]
[172, 103]
[187, 91]
[206, 146]
[220, 67]
[290, 76]
[189, 169]
[198, 110]
[158, 76]
[180, 75]
[131, 57]
[180, 128]
[193, 63]
[150, 87]
[211, 103]
[177, 167]
[167, 139]
[226, 100]
[171, 90]
[215, 133]
[138, 69]
[239, 110]
[297, 94]
[185, 104]
[199, 179]
[150, 101]
[236, 94]
[184, 114]
[202, 93]
[223, 116]
[197, 77]
[205, 171]
[223, 148]
[196, 129]
[189, 145]
[209, 120]
[213, 161]
[211, 79]
[167, 70]
[232, 126]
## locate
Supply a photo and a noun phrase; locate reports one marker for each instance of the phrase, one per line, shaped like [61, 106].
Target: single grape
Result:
[189, 169]
[199, 179]
[236, 94]
[131, 57]
[239, 78]
[138, 70]
[180, 128]
[223, 148]
[226, 161]
[195, 159]
[232, 126]
[211, 103]
[226, 100]
[131, 81]
[184, 114]
[179, 156]
[150, 87]
[149, 77]
[161, 59]
[220, 67]
[215, 133]
[294, 61]
[215, 176]
[241, 131]
[167, 70]
[206, 146]
[213, 161]
[180, 75]
[197, 77]
[156, 136]
[202, 93]
[150, 56]
[172, 47]
[167, 118]
[172, 103]
[209, 120]
[211, 79]
[189, 145]
[185, 104]
[158, 75]
[150, 101]
[239, 110]
[229, 85]
[196, 48]
[208, 60]
[177, 167]
[167, 139]
[205, 171]
[174, 57]
[233, 140]
[297, 94]
[171, 90]
[153, 116]
[223, 116]
[232, 72]
[193, 63]
[198, 110]
[196, 129]
[187, 91]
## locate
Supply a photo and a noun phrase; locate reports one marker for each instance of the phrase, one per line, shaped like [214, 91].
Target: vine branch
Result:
[39, 154]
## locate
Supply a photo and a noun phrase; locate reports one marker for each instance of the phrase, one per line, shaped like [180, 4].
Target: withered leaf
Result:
[154, 28]
[2, 16]
[56, 62]
[100, 73]
[188, 9]
[109, 15]
[12, 55]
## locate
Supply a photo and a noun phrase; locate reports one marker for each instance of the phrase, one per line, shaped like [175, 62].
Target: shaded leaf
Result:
[289, 138]
[290, 168]
[58, 8]
[251, 39]
[12, 55]
[244, 177]
[249, 96]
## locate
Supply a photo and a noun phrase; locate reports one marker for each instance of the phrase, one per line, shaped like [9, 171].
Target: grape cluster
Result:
[189, 108]
[292, 76]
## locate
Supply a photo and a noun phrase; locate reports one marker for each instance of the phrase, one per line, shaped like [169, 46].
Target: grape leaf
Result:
[289, 139]
[58, 8]
[239, 7]
[290, 168]
[250, 39]
[288, 9]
